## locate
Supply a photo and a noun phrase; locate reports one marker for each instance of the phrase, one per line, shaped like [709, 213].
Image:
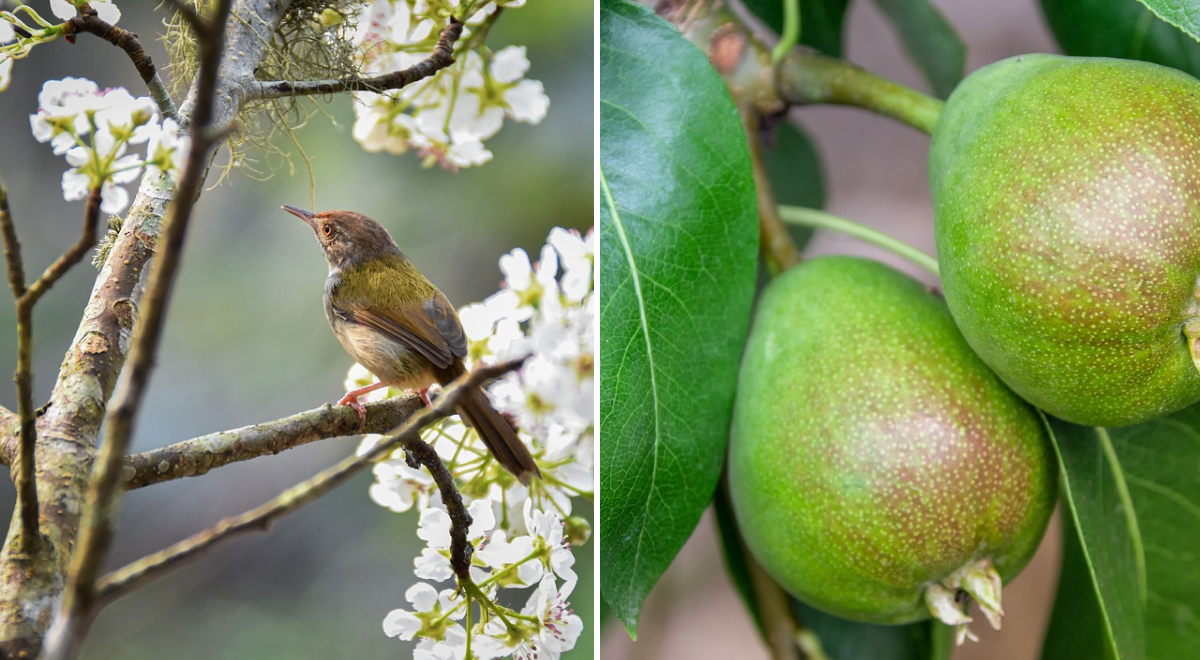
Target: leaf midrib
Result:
[637, 287]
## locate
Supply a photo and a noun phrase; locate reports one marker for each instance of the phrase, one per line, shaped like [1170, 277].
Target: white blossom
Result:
[105, 10]
[449, 115]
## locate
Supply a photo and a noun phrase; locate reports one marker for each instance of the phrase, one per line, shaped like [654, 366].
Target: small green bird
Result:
[397, 324]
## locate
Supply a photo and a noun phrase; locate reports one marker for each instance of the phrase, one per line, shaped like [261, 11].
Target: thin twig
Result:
[197, 456]
[26, 481]
[775, 243]
[442, 57]
[104, 493]
[12, 247]
[127, 41]
[137, 573]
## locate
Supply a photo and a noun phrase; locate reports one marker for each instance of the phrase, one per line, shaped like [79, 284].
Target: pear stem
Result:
[819, 219]
[805, 76]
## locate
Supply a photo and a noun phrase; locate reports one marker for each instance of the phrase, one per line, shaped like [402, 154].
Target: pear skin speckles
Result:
[872, 453]
[1067, 200]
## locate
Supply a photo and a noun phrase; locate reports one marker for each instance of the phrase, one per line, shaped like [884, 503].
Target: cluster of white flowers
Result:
[523, 535]
[93, 127]
[18, 36]
[448, 116]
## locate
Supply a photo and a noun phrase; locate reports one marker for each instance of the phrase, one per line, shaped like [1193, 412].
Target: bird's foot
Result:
[425, 397]
[351, 399]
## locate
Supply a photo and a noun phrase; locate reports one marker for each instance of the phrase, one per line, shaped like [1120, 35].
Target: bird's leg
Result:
[351, 399]
[424, 392]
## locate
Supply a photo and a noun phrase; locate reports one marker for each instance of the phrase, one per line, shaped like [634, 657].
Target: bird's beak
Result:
[306, 216]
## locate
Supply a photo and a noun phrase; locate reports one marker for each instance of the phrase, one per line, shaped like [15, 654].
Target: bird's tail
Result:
[499, 436]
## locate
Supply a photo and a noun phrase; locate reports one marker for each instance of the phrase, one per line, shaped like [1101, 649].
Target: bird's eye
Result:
[328, 229]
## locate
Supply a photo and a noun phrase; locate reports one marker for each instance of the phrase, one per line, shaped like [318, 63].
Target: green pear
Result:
[878, 469]
[1067, 200]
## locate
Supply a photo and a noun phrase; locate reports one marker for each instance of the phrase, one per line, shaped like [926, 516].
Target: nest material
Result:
[304, 47]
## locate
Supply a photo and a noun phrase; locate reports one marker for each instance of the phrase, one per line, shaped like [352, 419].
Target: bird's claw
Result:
[354, 403]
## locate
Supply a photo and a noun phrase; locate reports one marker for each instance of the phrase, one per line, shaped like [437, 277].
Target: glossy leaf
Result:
[679, 235]
[1076, 627]
[930, 41]
[1120, 28]
[1096, 489]
[850, 640]
[821, 21]
[1161, 463]
[1183, 14]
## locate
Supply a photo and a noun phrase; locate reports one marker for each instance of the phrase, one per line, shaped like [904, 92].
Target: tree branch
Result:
[26, 481]
[442, 57]
[192, 458]
[30, 585]
[137, 573]
[127, 41]
[104, 493]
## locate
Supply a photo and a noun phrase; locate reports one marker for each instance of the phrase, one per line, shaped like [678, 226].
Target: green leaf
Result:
[1183, 14]
[850, 640]
[1096, 489]
[1161, 461]
[820, 21]
[794, 168]
[1076, 628]
[679, 231]
[1120, 28]
[930, 40]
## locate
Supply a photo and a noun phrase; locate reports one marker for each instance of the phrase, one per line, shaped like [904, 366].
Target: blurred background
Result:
[246, 341]
[875, 173]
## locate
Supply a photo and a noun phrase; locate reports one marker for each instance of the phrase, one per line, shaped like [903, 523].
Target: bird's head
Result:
[347, 238]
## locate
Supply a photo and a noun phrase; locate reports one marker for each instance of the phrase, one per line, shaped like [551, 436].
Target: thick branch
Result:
[442, 57]
[192, 458]
[104, 492]
[124, 579]
[128, 42]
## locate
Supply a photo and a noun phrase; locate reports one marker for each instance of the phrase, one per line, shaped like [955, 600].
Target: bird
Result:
[394, 322]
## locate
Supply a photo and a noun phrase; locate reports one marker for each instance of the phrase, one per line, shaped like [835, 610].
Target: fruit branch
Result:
[104, 492]
[124, 579]
[776, 245]
[802, 77]
[87, 21]
[822, 220]
[805, 76]
[442, 57]
[197, 456]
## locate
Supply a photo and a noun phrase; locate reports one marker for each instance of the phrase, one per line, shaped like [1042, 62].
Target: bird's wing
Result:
[432, 329]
